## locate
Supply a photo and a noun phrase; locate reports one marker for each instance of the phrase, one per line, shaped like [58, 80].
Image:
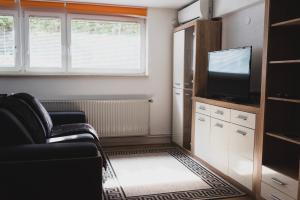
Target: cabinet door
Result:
[202, 137]
[178, 59]
[177, 136]
[187, 117]
[219, 144]
[241, 150]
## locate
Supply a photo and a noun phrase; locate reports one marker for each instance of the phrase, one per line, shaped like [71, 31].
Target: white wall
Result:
[244, 28]
[223, 7]
[158, 84]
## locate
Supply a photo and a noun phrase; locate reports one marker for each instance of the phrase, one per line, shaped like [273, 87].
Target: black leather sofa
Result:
[35, 165]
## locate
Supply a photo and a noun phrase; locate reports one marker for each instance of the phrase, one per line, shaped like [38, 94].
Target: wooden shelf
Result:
[297, 61]
[284, 99]
[292, 22]
[285, 138]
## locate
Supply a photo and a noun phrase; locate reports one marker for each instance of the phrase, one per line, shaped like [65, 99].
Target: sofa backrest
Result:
[26, 115]
[39, 109]
[12, 131]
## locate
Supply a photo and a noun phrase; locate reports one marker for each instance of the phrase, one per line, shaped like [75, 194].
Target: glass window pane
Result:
[107, 45]
[45, 44]
[7, 41]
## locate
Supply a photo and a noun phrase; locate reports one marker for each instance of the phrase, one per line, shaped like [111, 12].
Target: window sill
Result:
[69, 74]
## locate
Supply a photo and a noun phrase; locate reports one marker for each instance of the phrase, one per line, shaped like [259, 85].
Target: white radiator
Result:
[111, 118]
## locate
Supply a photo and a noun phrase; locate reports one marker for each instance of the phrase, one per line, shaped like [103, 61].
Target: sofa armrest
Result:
[60, 118]
[52, 151]
[51, 171]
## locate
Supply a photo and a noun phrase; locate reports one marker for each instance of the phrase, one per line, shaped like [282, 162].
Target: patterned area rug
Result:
[161, 174]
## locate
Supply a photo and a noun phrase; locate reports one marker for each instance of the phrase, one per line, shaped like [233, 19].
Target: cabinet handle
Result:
[188, 95]
[177, 83]
[201, 119]
[219, 125]
[275, 180]
[241, 132]
[202, 108]
[177, 93]
[243, 117]
[274, 197]
[219, 112]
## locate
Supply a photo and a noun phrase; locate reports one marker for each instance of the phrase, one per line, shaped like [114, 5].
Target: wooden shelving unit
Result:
[280, 99]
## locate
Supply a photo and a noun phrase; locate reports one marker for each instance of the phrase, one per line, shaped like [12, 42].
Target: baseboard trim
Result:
[136, 140]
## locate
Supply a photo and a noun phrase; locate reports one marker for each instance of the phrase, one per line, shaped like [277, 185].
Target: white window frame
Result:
[53, 69]
[17, 66]
[116, 72]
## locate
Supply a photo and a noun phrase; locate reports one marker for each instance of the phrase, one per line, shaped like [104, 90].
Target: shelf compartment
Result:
[284, 45]
[282, 11]
[283, 137]
[284, 100]
[276, 151]
[292, 22]
[282, 118]
[283, 81]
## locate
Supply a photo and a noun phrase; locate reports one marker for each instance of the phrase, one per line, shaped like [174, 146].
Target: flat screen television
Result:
[229, 74]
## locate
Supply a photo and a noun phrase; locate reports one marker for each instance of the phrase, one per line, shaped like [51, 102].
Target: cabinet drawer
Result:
[243, 118]
[242, 141]
[220, 113]
[269, 193]
[203, 108]
[279, 181]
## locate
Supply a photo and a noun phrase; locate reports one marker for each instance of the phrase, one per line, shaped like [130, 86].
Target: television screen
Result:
[229, 73]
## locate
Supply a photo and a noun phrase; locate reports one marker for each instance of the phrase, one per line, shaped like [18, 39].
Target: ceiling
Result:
[175, 4]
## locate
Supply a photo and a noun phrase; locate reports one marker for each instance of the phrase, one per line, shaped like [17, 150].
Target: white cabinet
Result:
[280, 182]
[241, 149]
[270, 193]
[203, 108]
[202, 136]
[179, 59]
[243, 118]
[220, 131]
[220, 113]
[178, 106]
[223, 140]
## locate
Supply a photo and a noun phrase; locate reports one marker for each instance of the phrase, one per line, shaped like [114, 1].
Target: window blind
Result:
[26, 4]
[7, 3]
[106, 9]
[7, 41]
[86, 8]
[45, 47]
[106, 45]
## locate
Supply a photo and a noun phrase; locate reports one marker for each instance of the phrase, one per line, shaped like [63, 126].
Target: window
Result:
[45, 42]
[107, 44]
[58, 43]
[8, 40]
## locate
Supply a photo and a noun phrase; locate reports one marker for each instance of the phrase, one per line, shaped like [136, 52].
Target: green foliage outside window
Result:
[105, 27]
[6, 23]
[44, 24]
